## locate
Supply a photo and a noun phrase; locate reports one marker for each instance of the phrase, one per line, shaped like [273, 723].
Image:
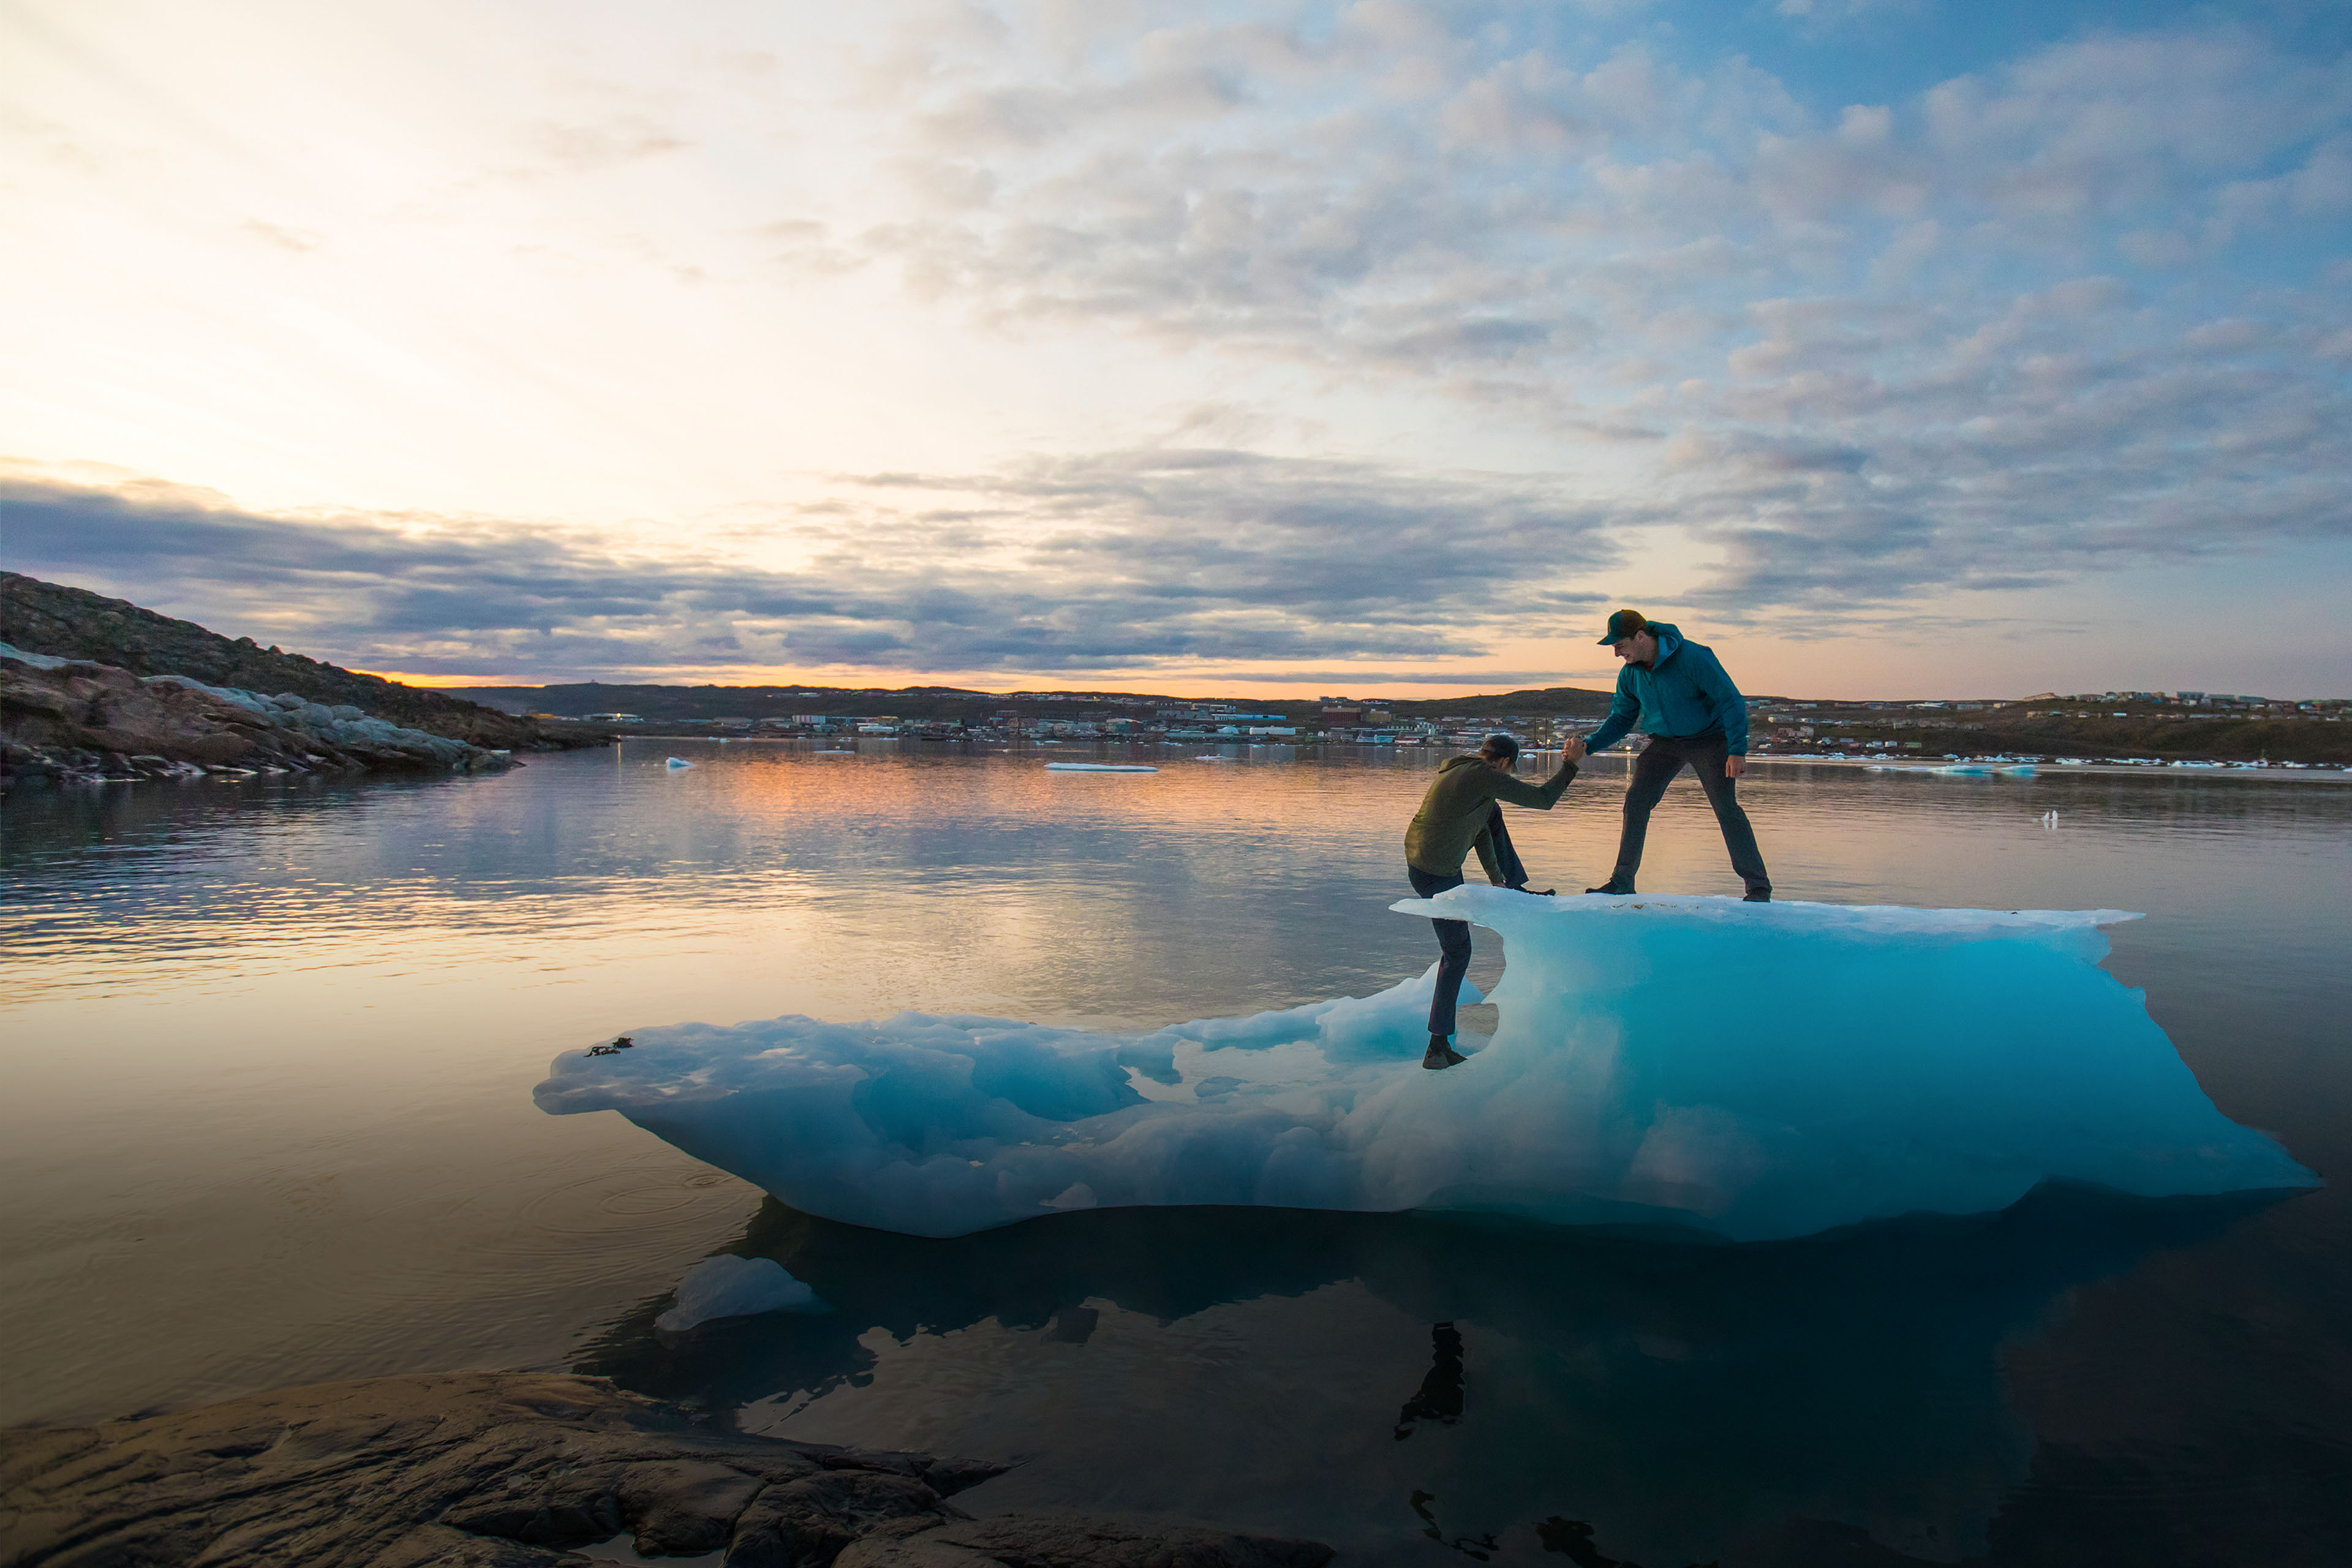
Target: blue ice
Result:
[1747, 1071]
[727, 1286]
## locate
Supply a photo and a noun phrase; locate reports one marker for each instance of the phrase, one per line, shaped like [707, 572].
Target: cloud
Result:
[1847, 350]
[1264, 190]
[1119, 561]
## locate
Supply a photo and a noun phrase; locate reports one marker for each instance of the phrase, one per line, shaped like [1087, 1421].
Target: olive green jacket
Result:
[1452, 820]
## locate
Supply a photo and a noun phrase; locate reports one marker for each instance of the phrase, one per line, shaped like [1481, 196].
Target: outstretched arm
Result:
[1542, 797]
[1623, 708]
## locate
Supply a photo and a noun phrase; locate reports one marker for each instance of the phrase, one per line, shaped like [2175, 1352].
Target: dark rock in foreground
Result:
[506, 1470]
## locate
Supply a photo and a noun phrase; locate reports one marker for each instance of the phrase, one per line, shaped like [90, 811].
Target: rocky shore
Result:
[512, 1470]
[72, 721]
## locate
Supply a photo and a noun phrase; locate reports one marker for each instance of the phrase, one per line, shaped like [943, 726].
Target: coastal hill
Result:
[2177, 726]
[73, 623]
[672, 704]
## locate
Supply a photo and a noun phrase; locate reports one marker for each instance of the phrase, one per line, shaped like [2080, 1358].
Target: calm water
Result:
[269, 1049]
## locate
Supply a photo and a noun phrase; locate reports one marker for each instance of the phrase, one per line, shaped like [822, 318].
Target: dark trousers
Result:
[1654, 770]
[1453, 942]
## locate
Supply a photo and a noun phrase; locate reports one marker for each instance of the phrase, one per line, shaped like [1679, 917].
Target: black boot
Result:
[1758, 896]
[1442, 1054]
[1613, 888]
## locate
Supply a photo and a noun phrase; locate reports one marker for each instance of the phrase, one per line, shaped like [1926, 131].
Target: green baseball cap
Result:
[1623, 624]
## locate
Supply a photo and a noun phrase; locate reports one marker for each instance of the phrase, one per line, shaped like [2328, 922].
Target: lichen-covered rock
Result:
[1055, 1540]
[75, 722]
[75, 624]
[507, 1470]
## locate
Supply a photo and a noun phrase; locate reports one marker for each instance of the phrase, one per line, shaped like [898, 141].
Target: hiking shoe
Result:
[1758, 896]
[1442, 1055]
[1613, 889]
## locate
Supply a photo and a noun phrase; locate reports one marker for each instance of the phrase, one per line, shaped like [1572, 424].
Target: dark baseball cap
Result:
[1501, 745]
[1623, 624]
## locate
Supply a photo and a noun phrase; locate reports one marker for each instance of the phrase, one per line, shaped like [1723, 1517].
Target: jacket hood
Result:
[1465, 761]
[1670, 638]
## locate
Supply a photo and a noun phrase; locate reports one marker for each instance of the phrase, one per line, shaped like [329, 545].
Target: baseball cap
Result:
[1622, 625]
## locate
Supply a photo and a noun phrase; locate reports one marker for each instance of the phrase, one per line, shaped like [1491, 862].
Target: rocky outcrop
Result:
[509, 1470]
[72, 721]
[76, 624]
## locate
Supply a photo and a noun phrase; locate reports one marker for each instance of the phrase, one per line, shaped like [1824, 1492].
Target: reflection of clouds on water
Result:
[1247, 1364]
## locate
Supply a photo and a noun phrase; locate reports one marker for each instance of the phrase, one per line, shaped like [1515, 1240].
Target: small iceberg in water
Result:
[1663, 1061]
[678, 763]
[731, 1286]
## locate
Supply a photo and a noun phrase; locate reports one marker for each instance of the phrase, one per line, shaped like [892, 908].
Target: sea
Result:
[269, 1048]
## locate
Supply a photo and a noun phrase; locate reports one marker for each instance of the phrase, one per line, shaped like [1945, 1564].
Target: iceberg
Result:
[1737, 1072]
[727, 1286]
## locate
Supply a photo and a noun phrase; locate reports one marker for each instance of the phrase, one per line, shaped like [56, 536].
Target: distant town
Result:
[2107, 726]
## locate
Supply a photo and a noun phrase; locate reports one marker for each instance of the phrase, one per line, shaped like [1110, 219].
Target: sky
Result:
[1890, 347]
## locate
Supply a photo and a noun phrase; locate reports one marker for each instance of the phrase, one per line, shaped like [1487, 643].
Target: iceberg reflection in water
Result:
[1746, 1071]
[1280, 1367]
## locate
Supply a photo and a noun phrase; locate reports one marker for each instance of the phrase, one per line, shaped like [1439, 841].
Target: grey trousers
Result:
[1453, 947]
[1654, 770]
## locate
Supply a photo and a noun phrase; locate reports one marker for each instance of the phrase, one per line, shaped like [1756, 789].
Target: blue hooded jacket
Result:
[1684, 693]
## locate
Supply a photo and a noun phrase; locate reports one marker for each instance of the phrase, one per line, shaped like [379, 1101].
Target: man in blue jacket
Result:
[1693, 714]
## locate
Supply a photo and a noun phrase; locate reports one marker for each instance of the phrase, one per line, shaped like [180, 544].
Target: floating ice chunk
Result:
[731, 1286]
[1667, 1060]
[1098, 768]
[678, 763]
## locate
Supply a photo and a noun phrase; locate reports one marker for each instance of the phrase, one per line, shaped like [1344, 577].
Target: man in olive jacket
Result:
[1692, 712]
[1457, 815]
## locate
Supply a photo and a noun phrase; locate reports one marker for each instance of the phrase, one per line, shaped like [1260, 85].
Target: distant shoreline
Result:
[1892, 763]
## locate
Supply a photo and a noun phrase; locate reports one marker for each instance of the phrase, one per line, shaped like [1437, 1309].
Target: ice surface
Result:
[731, 1286]
[1748, 1070]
